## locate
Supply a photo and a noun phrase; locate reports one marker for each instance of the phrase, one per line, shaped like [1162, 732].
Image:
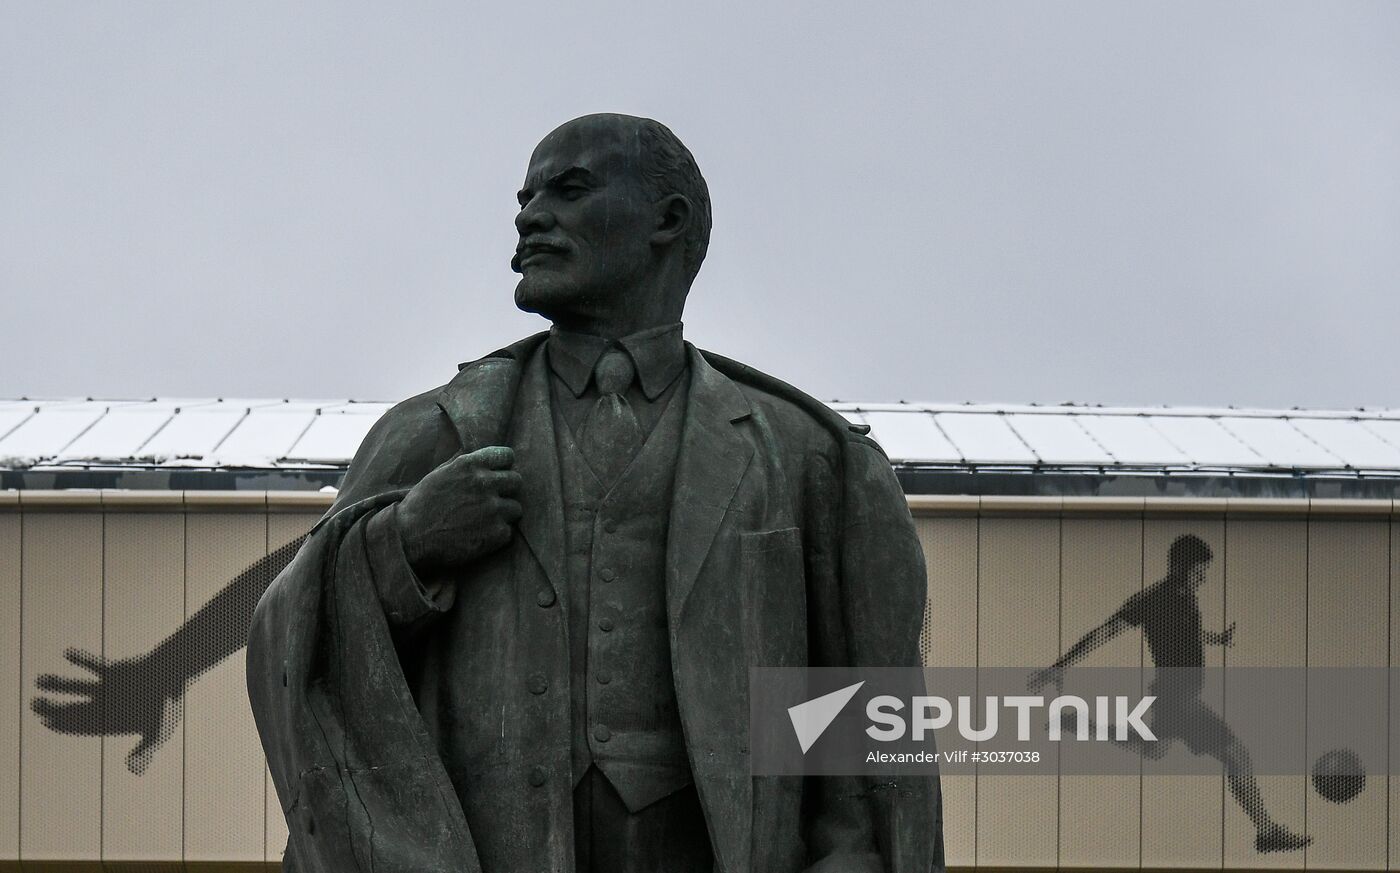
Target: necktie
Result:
[610, 436]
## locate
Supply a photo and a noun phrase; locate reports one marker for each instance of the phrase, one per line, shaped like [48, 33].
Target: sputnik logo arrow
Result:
[811, 719]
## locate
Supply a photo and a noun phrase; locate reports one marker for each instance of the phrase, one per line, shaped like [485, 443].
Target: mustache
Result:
[533, 244]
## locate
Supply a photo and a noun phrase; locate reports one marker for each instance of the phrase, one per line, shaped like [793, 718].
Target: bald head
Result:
[614, 222]
[665, 165]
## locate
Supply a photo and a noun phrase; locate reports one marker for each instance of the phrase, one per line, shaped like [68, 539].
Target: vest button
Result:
[537, 776]
[604, 678]
[605, 625]
[610, 527]
[545, 598]
[606, 574]
[537, 683]
[601, 733]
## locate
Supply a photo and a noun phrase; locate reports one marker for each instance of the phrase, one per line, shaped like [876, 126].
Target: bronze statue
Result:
[521, 638]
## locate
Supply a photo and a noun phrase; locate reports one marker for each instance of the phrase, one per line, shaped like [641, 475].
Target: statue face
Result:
[585, 223]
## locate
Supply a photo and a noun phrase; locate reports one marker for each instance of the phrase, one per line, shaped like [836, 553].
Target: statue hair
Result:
[668, 167]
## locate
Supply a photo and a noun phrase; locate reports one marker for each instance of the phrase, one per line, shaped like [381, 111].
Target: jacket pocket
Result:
[775, 596]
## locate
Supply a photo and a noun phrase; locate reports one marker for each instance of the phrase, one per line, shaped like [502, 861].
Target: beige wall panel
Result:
[9, 684]
[950, 552]
[225, 794]
[144, 605]
[950, 640]
[1266, 595]
[1173, 805]
[1348, 614]
[61, 773]
[1101, 567]
[1018, 626]
[1392, 782]
[282, 529]
[275, 822]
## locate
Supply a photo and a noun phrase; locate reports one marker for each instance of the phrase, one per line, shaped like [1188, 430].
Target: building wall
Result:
[159, 584]
[1017, 581]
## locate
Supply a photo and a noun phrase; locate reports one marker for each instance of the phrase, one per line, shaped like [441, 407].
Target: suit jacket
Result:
[790, 544]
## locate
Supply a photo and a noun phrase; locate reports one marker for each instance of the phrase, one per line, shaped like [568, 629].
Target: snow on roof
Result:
[204, 433]
[301, 434]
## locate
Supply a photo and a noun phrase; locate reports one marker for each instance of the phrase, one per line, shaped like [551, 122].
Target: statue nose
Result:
[533, 218]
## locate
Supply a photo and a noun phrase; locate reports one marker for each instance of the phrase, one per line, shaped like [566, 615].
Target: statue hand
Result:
[462, 510]
[131, 696]
[1228, 637]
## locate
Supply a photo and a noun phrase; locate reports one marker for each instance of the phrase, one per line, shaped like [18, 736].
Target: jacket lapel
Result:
[712, 460]
[502, 400]
[480, 398]
[537, 462]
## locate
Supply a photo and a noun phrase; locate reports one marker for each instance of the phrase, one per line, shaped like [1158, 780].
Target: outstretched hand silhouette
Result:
[145, 695]
[129, 696]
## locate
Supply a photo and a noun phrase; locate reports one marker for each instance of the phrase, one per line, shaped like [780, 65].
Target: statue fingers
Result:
[509, 510]
[506, 483]
[491, 457]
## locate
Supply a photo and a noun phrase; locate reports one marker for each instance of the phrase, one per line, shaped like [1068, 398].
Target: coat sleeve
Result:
[410, 605]
[869, 601]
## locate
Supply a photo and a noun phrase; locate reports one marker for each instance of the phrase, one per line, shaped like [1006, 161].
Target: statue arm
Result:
[409, 604]
[404, 445]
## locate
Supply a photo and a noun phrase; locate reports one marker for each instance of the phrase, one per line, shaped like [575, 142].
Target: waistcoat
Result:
[625, 717]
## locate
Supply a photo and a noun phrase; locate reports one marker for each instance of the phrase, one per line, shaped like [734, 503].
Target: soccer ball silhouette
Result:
[1337, 775]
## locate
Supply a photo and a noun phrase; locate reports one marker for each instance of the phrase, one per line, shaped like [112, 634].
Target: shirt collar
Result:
[658, 354]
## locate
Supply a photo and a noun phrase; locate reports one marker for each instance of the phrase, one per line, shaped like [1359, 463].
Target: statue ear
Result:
[672, 219]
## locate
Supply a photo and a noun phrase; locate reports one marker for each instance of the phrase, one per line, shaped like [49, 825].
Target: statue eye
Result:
[574, 192]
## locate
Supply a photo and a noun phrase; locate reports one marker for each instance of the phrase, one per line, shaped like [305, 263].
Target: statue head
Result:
[614, 222]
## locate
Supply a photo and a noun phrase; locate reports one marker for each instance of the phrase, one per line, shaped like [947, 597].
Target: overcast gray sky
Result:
[1184, 203]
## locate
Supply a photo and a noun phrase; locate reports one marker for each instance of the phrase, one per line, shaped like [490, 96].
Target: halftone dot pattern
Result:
[91, 595]
[115, 652]
[926, 636]
[1350, 557]
[11, 689]
[1100, 569]
[950, 640]
[224, 764]
[1017, 624]
[1266, 581]
[1393, 703]
[1169, 615]
[60, 814]
[142, 695]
